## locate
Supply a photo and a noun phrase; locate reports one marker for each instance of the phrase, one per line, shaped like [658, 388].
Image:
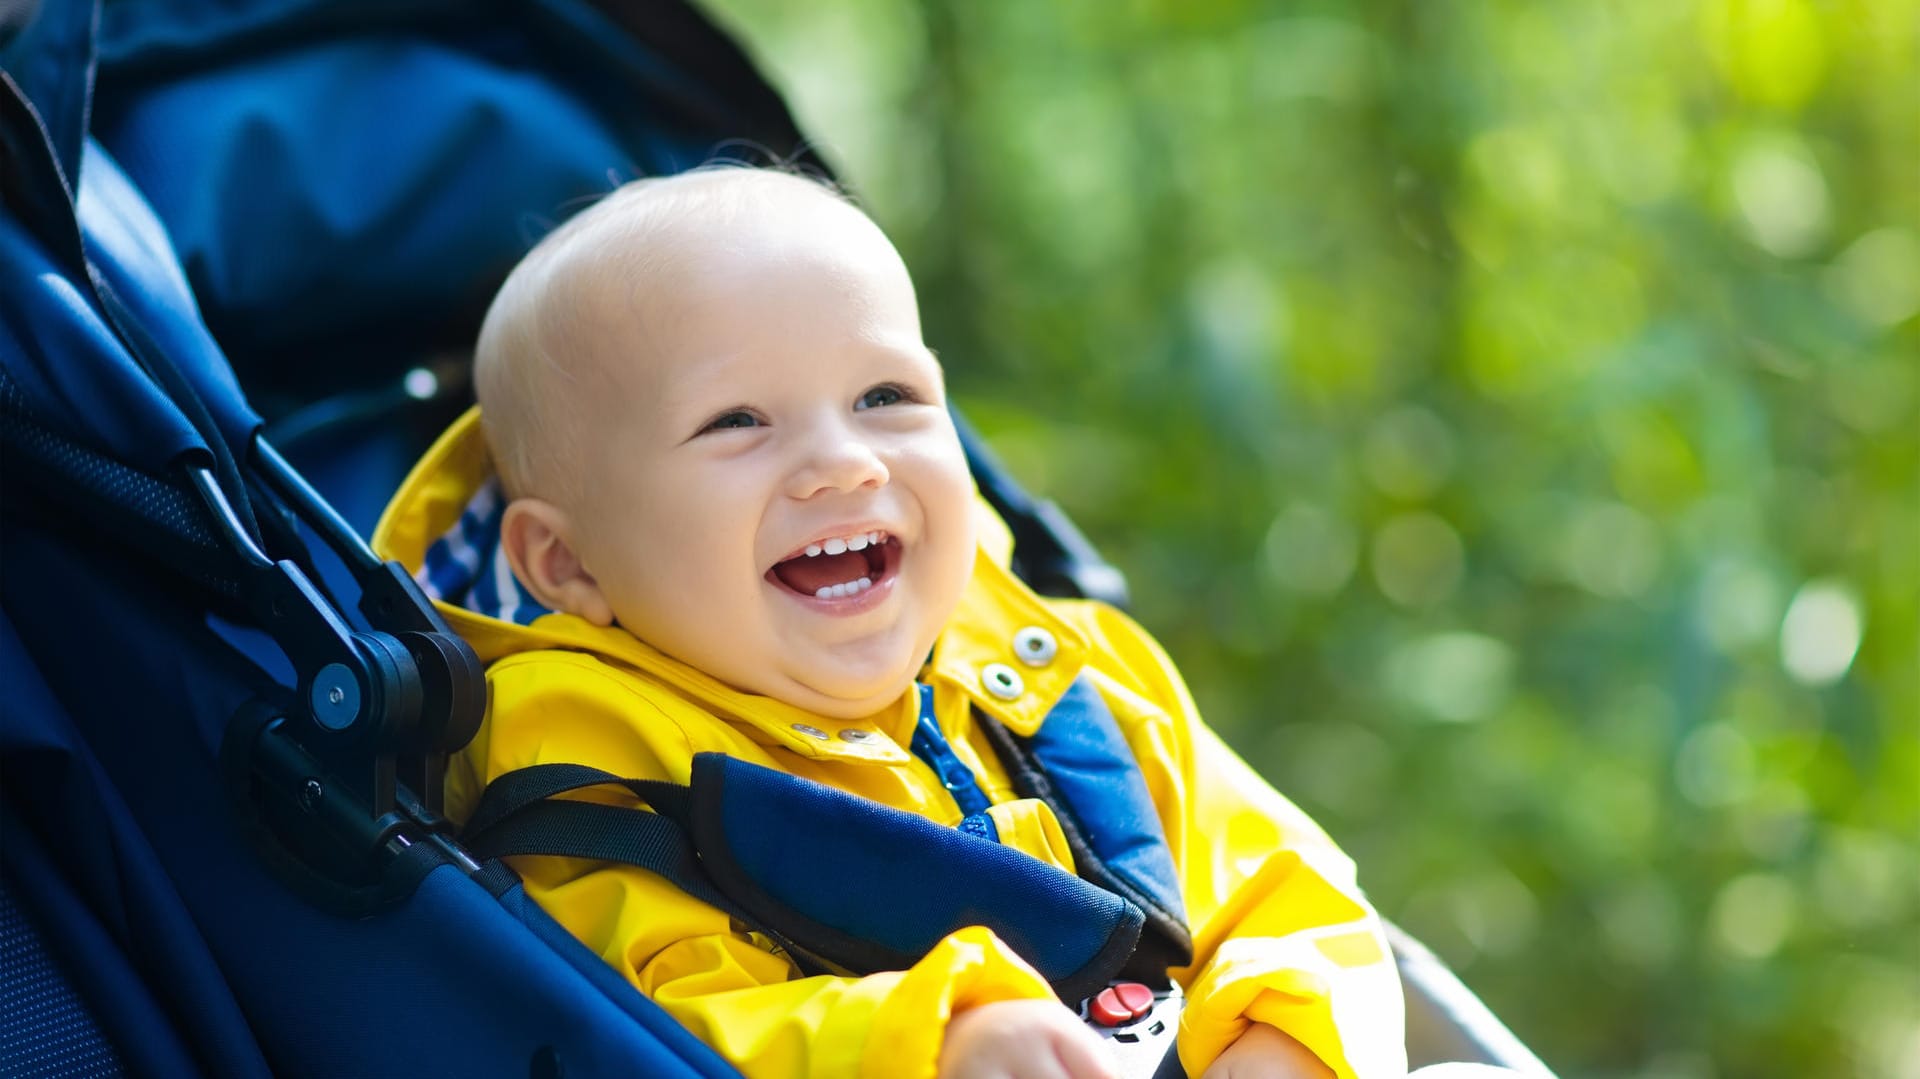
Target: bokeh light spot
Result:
[1739, 604]
[1408, 452]
[1875, 395]
[1644, 155]
[1864, 878]
[1452, 676]
[1773, 52]
[1820, 634]
[1310, 549]
[1715, 765]
[1610, 549]
[1236, 315]
[1312, 57]
[1519, 167]
[1342, 766]
[1550, 324]
[1752, 915]
[420, 384]
[1417, 559]
[1654, 463]
[1495, 912]
[1878, 276]
[1640, 922]
[1781, 195]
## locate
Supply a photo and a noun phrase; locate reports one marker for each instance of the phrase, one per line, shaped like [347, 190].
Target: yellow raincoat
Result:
[1282, 934]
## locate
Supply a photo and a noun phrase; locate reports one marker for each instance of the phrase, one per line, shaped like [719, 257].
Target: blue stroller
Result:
[243, 247]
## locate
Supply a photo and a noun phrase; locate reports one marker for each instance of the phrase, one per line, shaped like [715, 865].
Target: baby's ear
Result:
[536, 536]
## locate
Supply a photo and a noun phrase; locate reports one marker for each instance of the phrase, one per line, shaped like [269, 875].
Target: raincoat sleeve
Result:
[720, 981]
[1282, 933]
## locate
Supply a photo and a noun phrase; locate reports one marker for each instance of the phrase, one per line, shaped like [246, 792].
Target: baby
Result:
[713, 501]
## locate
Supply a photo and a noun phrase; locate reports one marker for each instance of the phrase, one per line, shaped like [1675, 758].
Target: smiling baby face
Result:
[741, 453]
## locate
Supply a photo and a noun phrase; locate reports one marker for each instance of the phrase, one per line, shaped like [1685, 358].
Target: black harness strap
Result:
[516, 816]
[603, 833]
[523, 787]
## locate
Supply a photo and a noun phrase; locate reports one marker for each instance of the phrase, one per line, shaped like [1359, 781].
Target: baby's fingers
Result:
[1083, 1056]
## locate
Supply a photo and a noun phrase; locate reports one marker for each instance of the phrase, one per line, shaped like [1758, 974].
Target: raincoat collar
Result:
[979, 655]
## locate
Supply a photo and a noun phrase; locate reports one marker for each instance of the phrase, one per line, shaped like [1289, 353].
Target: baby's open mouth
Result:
[839, 567]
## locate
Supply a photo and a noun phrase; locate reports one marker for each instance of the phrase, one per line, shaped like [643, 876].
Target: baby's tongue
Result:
[810, 575]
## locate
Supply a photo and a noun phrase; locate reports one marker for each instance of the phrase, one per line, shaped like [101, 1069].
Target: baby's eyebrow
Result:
[695, 383]
[893, 349]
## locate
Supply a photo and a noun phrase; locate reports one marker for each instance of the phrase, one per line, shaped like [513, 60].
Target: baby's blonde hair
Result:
[524, 363]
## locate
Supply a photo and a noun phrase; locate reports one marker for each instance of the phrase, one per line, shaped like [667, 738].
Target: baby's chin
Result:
[850, 679]
[842, 698]
[845, 682]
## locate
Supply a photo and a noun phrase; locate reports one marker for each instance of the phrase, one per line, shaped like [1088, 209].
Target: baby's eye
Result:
[730, 420]
[881, 396]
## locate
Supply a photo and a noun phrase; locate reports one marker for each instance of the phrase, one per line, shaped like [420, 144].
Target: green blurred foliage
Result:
[1506, 415]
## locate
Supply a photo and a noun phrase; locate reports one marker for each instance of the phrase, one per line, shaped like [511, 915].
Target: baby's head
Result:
[719, 428]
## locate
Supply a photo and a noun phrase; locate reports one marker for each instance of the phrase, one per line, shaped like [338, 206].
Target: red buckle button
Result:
[1120, 1004]
[1136, 998]
[1106, 1009]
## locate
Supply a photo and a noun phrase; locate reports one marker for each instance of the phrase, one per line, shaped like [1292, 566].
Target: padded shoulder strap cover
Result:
[1080, 764]
[842, 879]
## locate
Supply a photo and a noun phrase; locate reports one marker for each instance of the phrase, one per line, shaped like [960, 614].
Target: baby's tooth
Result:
[835, 545]
[857, 543]
[844, 589]
[813, 550]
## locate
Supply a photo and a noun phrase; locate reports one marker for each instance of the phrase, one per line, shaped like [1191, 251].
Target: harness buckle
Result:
[1138, 1024]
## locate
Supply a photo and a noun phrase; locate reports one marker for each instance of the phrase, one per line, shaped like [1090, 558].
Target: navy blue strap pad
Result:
[875, 888]
[1079, 763]
[838, 880]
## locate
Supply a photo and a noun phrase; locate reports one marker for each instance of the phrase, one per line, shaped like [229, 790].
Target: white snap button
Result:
[1035, 647]
[810, 732]
[855, 734]
[1002, 681]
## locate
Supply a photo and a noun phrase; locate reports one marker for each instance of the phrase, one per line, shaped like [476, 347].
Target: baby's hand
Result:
[1265, 1053]
[1022, 1039]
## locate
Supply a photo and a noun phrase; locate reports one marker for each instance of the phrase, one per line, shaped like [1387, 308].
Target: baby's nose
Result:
[845, 464]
